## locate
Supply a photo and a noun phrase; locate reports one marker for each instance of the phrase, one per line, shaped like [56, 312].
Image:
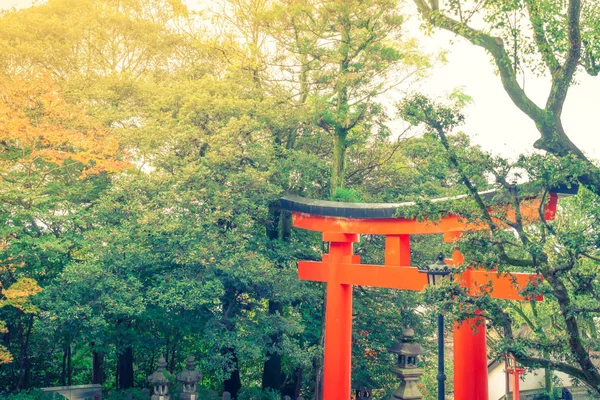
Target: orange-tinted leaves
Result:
[38, 127]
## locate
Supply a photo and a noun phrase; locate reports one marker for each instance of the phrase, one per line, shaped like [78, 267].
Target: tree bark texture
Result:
[272, 374]
[553, 137]
[339, 160]
[98, 375]
[24, 335]
[125, 368]
[233, 384]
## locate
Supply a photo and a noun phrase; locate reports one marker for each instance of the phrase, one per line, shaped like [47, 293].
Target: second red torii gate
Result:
[341, 224]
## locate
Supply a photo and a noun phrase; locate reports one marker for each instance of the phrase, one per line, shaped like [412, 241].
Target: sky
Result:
[492, 120]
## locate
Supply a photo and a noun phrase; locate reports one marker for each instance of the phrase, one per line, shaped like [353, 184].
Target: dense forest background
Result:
[144, 147]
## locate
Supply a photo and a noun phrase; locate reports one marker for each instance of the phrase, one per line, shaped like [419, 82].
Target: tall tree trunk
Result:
[98, 375]
[67, 371]
[339, 160]
[23, 354]
[548, 380]
[319, 379]
[293, 385]
[63, 373]
[233, 384]
[272, 377]
[125, 368]
[171, 364]
[69, 365]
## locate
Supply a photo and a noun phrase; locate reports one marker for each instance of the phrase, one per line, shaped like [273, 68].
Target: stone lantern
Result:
[189, 377]
[407, 368]
[160, 382]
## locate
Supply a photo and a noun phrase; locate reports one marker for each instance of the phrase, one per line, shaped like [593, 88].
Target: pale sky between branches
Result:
[492, 120]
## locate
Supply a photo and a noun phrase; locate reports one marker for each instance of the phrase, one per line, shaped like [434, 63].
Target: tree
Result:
[189, 253]
[557, 40]
[103, 53]
[346, 54]
[562, 328]
[53, 163]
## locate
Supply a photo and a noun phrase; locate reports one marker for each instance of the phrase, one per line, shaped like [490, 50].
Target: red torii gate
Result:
[341, 225]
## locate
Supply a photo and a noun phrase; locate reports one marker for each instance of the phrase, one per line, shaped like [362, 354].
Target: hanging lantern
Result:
[437, 272]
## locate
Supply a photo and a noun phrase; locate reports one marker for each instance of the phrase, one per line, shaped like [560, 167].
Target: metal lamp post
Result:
[436, 273]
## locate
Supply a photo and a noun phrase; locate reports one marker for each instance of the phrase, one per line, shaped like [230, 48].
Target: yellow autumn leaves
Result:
[38, 127]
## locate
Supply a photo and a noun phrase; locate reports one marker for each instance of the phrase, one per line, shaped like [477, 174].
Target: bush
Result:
[33, 394]
[130, 394]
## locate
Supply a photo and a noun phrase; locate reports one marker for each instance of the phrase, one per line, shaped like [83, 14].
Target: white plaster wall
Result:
[530, 381]
[565, 380]
[496, 382]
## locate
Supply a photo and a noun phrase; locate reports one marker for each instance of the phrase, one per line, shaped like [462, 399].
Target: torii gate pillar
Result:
[338, 335]
[470, 360]
[470, 346]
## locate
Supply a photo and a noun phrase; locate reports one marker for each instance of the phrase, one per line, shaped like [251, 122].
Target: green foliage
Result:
[189, 253]
[562, 250]
[132, 394]
[347, 195]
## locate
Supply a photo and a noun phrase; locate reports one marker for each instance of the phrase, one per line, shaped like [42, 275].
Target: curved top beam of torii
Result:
[332, 217]
[386, 210]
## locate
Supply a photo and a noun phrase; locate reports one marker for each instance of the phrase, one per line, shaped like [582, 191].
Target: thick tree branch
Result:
[473, 192]
[555, 365]
[591, 257]
[585, 310]
[496, 48]
[587, 376]
[553, 137]
[582, 357]
[564, 76]
[589, 61]
[539, 35]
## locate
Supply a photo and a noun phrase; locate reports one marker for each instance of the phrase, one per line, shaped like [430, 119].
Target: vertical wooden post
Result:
[397, 250]
[470, 360]
[470, 347]
[516, 390]
[338, 321]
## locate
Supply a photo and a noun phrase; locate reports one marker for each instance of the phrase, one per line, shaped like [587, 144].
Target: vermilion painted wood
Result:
[400, 226]
[470, 360]
[499, 286]
[340, 269]
[377, 226]
[506, 286]
[338, 323]
[397, 250]
[405, 278]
